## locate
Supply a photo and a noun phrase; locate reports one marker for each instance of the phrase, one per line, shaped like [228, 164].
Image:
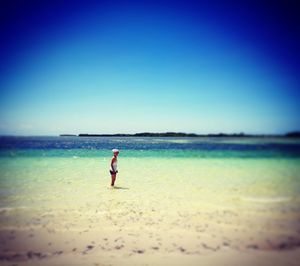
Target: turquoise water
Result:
[255, 166]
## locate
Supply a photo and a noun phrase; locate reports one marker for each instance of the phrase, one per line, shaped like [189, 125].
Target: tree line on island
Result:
[295, 134]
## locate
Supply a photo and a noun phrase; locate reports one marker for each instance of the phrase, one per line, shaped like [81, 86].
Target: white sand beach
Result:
[162, 212]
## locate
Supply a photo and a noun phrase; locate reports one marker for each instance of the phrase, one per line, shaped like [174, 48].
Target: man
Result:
[114, 166]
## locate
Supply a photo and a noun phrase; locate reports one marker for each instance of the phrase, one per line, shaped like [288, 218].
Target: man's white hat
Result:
[115, 150]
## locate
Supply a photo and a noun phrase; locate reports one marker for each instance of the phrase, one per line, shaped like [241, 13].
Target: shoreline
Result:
[166, 135]
[183, 135]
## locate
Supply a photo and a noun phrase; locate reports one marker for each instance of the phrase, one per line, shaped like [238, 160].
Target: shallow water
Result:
[49, 181]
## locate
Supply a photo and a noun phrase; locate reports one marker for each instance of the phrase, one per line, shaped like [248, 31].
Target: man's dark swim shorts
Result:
[113, 172]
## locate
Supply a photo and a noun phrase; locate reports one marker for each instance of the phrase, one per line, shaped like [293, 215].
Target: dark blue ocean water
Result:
[148, 146]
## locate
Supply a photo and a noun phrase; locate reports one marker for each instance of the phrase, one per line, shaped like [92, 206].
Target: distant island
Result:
[295, 134]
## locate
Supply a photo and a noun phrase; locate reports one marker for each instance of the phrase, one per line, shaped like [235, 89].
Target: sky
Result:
[149, 66]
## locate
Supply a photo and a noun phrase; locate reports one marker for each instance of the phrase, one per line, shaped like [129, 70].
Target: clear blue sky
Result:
[126, 67]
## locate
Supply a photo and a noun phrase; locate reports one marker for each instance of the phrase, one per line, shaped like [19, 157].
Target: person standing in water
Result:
[114, 166]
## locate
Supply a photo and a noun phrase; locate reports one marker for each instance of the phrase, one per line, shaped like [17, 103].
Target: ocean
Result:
[243, 192]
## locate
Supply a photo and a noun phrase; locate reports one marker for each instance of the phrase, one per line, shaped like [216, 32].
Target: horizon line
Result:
[142, 134]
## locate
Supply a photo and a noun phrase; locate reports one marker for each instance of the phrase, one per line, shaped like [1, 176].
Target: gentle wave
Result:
[141, 153]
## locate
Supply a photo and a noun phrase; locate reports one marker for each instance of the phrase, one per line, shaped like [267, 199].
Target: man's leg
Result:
[113, 179]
